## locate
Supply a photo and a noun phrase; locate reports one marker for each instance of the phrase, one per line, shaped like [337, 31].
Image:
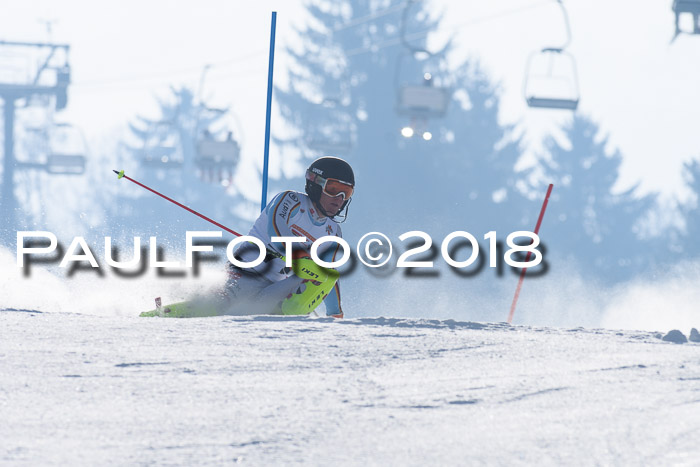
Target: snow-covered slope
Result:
[77, 389]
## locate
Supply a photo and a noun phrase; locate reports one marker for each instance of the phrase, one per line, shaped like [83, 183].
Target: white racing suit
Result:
[264, 287]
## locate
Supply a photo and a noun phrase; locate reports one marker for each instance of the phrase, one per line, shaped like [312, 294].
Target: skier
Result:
[271, 287]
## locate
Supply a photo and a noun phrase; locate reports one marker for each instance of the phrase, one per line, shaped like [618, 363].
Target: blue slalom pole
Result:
[263, 202]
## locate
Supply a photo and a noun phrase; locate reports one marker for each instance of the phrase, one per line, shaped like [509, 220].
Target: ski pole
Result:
[121, 175]
[529, 253]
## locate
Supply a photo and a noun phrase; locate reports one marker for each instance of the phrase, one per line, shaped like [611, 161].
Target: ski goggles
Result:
[331, 186]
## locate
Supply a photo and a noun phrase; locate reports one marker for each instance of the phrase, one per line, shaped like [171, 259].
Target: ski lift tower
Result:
[43, 71]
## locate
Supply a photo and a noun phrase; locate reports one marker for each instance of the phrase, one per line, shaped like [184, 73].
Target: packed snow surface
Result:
[88, 390]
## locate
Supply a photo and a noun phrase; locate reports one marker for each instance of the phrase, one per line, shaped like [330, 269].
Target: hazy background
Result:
[146, 76]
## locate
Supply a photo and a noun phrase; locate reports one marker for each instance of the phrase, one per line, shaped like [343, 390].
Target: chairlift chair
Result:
[217, 160]
[419, 102]
[65, 164]
[685, 7]
[67, 148]
[557, 88]
[162, 148]
[212, 152]
[423, 101]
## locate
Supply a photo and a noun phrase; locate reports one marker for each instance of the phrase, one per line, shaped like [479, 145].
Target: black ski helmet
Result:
[328, 167]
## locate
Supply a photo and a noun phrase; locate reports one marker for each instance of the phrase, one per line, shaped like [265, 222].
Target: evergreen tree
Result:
[342, 99]
[485, 154]
[690, 210]
[166, 154]
[346, 96]
[586, 219]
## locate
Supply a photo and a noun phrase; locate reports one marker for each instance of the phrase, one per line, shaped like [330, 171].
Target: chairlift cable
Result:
[381, 45]
[180, 71]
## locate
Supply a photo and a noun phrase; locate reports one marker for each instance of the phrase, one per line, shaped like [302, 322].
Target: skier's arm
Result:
[279, 212]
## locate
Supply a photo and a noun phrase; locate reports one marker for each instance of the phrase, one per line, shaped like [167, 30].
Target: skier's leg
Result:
[317, 282]
[273, 296]
[299, 294]
[239, 296]
[279, 290]
[250, 293]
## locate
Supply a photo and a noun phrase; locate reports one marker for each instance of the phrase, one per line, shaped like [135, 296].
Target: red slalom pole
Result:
[121, 175]
[527, 257]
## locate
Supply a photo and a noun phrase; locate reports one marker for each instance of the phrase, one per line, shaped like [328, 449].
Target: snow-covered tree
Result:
[587, 220]
[165, 153]
[344, 97]
[690, 210]
[422, 134]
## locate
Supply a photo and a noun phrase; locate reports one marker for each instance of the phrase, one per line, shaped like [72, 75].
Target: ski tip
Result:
[120, 174]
